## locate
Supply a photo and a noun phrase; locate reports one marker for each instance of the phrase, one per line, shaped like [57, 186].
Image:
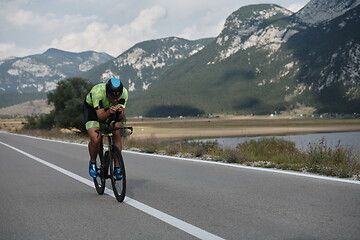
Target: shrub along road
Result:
[38, 202]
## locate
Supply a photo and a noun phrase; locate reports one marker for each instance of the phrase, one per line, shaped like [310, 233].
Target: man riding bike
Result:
[104, 101]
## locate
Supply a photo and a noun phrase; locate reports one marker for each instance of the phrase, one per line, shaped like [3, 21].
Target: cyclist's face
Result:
[112, 100]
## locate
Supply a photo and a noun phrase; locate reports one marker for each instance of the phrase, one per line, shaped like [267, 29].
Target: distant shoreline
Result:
[239, 127]
[223, 127]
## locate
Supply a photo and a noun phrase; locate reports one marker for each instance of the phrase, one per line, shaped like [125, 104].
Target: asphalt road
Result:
[46, 193]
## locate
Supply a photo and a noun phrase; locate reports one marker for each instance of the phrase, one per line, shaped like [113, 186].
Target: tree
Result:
[68, 99]
[39, 122]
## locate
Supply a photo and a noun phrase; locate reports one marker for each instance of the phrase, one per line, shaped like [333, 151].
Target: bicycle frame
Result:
[110, 145]
[108, 163]
[108, 132]
[104, 160]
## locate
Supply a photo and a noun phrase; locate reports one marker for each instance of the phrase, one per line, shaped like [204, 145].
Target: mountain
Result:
[267, 59]
[141, 65]
[328, 58]
[28, 108]
[321, 11]
[231, 73]
[41, 72]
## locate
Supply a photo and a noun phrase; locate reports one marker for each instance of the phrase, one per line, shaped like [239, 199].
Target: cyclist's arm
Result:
[103, 114]
[122, 104]
[122, 111]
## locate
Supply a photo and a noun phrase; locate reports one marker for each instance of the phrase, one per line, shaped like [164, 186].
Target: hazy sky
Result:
[112, 26]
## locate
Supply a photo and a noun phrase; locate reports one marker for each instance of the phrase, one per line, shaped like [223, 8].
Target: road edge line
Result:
[175, 222]
[299, 174]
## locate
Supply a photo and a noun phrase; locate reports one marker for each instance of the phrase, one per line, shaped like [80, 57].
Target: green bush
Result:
[233, 156]
[68, 99]
[339, 161]
[172, 148]
[199, 149]
[31, 122]
[39, 122]
[267, 152]
[270, 149]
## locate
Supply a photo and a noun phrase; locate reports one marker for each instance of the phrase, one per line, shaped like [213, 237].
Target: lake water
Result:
[347, 139]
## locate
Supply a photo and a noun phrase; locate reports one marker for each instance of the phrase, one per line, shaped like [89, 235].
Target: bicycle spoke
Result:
[118, 184]
[110, 160]
[99, 181]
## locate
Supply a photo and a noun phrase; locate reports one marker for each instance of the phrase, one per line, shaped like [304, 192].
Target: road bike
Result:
[107, 160]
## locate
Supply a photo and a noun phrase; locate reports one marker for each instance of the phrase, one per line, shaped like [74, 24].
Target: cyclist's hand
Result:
[113, 109]
[119, 108]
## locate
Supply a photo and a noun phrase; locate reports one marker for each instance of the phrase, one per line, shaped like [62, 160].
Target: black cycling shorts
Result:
[90, 117]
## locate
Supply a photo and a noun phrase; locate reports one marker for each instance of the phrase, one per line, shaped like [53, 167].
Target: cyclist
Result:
[103, 102]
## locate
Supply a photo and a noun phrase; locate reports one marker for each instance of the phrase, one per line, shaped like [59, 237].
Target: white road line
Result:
[184, 226]
[307, 175]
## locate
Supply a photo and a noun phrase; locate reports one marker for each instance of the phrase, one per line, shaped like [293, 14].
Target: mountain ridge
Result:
[141, 65]
[265, 60]
[313, 12]
[265, 72]
[41, 72]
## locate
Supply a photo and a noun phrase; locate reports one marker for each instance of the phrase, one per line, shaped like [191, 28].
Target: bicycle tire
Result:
[118, 186]
[99, 181]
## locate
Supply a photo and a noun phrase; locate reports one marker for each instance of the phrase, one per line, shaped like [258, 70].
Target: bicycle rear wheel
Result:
[99, 181]
[118, 185]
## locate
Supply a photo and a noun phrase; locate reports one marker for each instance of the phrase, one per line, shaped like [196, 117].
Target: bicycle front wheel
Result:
[118, 183]
[99, 181]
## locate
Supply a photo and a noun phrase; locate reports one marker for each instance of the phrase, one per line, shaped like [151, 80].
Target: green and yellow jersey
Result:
[97, 99]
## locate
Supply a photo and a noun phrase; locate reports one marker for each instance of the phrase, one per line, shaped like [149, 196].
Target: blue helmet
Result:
[114, 88]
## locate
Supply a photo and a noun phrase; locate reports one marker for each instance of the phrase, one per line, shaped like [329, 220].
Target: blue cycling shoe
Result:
[117, 173]
[92, 169]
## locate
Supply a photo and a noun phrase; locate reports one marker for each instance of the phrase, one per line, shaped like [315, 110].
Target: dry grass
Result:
[11, 125]
[265, 152]
[222, 127]
[56, 133]
[27, 108]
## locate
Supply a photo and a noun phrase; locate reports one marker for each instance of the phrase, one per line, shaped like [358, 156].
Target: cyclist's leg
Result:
[118, 168]
[117, 141]
[117, 137]
[93, 148]
[92, 124]
[94, 143]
